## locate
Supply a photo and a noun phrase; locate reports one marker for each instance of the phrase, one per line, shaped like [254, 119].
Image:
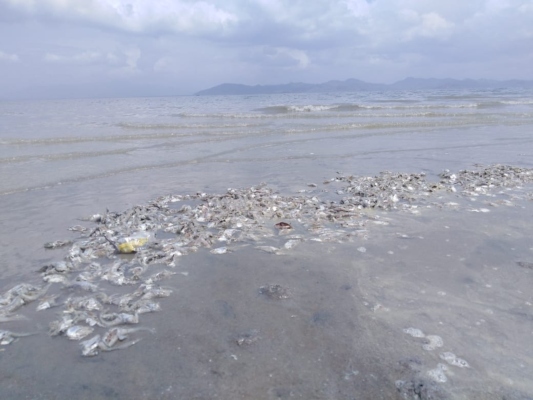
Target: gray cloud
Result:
[185, 45]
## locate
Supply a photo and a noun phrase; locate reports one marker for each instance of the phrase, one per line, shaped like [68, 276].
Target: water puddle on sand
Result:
[432, 306]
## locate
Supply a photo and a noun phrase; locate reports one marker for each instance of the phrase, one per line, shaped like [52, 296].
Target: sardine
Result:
[7, 337]
[90, 347]
[61, 326]
[118, 319]
[78, 332]
[56, 244]
[84, 285]
[120, 334]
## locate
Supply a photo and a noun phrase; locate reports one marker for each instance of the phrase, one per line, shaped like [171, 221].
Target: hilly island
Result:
[354, 85]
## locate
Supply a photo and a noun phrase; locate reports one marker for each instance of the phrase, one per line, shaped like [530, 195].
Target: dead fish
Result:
[61, 326]
[219, 250]
[93, 218]
[112, 336]
[113, 319]
[55, 278]
[78, 228]
[59, 267]
[150, 292]
[7, 337]
[56, 244]
[268, 249]
[27, 292]
[525, 264]
[78, 332]
[48, 302]
[90, 347]
[247, 338]
[15, 304]
[159, 276]
[291, 243]
[83, 303]
[144, 306]
[274, 292]
[84, 285]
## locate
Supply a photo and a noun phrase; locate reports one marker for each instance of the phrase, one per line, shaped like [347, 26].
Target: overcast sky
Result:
[161, 47]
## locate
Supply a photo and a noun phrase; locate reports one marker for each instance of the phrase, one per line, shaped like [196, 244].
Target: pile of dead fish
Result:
[103, 293]
[483, 180]
[386, 191]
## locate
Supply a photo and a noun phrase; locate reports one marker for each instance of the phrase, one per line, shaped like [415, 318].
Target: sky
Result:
[118, 48]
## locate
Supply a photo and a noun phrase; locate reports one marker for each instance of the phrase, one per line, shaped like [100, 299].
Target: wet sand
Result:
[449, 272]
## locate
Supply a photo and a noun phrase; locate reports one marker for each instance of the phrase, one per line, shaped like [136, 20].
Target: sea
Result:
[432, 304]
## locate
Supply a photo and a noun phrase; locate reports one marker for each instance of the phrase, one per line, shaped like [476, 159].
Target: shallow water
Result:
[340, 335]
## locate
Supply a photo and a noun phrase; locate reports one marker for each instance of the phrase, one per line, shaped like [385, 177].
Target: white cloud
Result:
[86, 57]
[283, 58]
[431, 25]
[122, 62]
[133, 55]
[141, 16]
[359, 8]
[299, 57]
[9, 57]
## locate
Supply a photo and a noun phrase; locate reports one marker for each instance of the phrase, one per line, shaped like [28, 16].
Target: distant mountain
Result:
[354, 85]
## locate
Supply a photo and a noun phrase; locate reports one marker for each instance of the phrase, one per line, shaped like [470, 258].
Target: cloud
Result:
[277, 57]
[139, 16]
[358, 8]
[86, 57]
[197, 43]
[9, 57]
[430, 25]
[287, 57]
[122, 62]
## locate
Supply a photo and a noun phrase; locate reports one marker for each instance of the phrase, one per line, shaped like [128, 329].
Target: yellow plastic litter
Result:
[131, 244]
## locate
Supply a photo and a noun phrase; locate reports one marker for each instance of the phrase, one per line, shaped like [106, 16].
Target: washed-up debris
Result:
[438, 374]
[268, 249]
[220, 250]
[77, 332]
[48, 302]
[247, 338]
[452, 359]
[19, 296]
[57, 244]
[8, 337]
[130, 244]
[283, 225]
[114, 339]
[109, 273]
[525, 264]
[277, 292]
[433, 341]
[289, 244]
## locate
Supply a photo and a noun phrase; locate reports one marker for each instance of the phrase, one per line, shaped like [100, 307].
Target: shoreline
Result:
[365, 214]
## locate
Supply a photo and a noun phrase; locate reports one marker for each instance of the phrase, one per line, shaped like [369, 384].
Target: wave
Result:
[135, 126]
[64, 156]
[518, 102]
[285, 109]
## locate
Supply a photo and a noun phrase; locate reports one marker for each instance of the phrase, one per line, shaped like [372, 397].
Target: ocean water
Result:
[351, 327]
